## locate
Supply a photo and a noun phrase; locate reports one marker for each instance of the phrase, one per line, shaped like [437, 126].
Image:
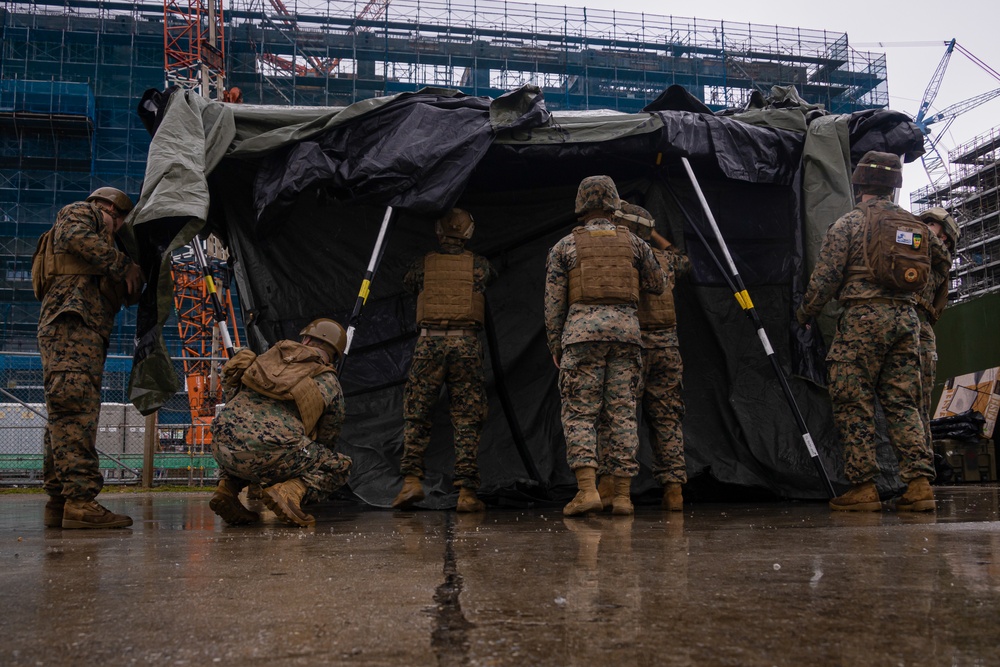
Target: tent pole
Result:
[220, 312]
[366, 283]
[743, 298]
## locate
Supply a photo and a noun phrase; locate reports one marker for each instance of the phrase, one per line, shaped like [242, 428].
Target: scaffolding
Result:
[581, 58]
[973, 197]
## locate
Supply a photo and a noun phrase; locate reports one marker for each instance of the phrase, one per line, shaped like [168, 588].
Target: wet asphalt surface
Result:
[721, 584]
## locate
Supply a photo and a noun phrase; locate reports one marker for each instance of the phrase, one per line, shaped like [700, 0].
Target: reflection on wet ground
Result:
[767, 584]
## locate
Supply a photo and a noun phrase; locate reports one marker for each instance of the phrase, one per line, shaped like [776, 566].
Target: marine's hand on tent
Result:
[555, 360]
[802, 317]
[134, 279]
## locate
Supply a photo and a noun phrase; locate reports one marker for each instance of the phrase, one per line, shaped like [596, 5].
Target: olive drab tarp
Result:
[298, 194]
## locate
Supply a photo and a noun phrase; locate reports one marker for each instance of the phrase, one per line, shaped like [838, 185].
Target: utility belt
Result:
[426, 331]
[884, 300]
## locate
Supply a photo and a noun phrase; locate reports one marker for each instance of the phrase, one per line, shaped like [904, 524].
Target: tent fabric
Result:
[298, 195]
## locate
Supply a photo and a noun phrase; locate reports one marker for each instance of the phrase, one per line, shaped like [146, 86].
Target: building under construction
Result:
[72, 72]
[972, 194]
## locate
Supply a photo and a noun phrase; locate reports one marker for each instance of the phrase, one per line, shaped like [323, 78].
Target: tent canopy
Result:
[298, 195]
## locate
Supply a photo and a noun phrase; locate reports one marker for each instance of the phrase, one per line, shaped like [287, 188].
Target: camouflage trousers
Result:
[322, 469]
[600, 380]
[876, 353]
[72, 366]
[456, 362]
[663, 409]
[928, 373]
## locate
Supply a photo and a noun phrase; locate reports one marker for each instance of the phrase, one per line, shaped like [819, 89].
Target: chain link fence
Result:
[181, 451]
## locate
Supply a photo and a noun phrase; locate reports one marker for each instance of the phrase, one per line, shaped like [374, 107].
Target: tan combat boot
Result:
[919, 497]
[606, 488]
[673, 498]
[411, 493]
[91, 514]
[860, 498]
[621, 502]
[468, 502]
[587, 499]
[285, 498]
[52, 517]
[226, 503]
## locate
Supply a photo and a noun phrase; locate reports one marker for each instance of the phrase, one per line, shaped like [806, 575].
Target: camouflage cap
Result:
[943, 218]
[457, 224]
[597, 193]
[637, 219]
[883, 170]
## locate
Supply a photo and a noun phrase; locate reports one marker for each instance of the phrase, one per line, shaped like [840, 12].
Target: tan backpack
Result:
[46, 264]
[286, 372]
[896, 250]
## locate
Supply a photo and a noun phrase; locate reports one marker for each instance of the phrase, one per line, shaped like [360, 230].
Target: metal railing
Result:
[177, 452]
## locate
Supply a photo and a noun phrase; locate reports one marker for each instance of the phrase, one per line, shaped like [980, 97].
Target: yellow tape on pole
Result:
[365, 285]
[211, 284]
[744, 300]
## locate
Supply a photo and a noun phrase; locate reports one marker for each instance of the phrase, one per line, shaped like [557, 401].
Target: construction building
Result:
[72, 72]
[972, 194]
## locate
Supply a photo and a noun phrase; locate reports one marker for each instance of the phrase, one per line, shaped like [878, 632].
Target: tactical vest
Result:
[286, 372]
[896, 250]
[448, 298]
[605, 270]
[46, 264]
[656, 311]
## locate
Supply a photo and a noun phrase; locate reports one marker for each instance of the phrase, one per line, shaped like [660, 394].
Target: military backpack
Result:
[896, 249]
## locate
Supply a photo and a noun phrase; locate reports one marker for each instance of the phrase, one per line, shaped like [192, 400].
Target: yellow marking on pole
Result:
[211, 284]
[744, 300]
[365, 285]
[659, 158]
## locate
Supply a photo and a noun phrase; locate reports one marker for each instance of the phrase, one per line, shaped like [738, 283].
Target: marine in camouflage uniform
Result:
[449, 284]
[662, 368]
[596, 341]
[875, 352]
[261, 439]
[77, 317]
[930, 304]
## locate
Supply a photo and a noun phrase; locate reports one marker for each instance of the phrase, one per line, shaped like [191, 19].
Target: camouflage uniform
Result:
[660, 391]
[455, 361]
[262, 440]
[928, 346]
[73, 332]
[598, 348]
[875, 353]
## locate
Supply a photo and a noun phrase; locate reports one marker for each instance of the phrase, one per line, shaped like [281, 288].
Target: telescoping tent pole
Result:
[743, 298]
[366, 283]
[220, 312]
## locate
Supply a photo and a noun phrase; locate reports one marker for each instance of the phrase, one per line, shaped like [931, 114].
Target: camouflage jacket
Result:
[677, 265]
[80, 230]
[567, 324]
[843, 247]
[926, 297]
[482, 271]
[261, 423]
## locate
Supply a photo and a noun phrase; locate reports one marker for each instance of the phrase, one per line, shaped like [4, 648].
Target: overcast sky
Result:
[974, 23]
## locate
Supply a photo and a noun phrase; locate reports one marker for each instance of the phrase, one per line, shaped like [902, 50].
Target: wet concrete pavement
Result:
[762, 584]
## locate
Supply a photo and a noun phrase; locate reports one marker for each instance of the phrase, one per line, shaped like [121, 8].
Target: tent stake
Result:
[366, 283]
[743, 298]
